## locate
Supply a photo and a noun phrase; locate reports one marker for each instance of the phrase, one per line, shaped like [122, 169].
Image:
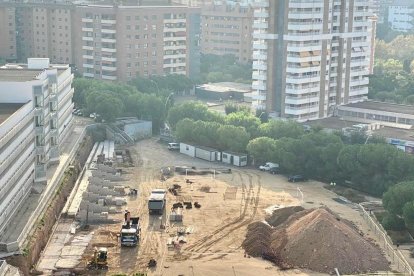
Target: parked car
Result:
[173, 146]
[268, 166]
[296, 178]
[274, 170]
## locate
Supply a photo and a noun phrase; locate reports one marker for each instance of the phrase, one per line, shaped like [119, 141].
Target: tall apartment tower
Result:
[310, 56]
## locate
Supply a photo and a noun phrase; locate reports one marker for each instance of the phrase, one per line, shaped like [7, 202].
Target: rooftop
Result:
[7, 109]
[226, 87]
[336, 123]
[380, 106]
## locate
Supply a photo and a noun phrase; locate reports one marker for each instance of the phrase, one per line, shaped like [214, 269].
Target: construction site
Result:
[138, 210]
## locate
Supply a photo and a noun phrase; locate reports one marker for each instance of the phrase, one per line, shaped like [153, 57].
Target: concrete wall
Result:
[187, 149]
[139, 130]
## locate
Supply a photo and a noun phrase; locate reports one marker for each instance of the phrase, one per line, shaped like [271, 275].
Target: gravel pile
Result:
[314, 239]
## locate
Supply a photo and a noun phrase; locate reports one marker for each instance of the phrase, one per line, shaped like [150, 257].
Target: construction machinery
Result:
[99, 259]
[156, 201]
[130, 231]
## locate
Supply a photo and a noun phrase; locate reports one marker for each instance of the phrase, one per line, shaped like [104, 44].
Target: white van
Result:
[268, 166]
[173, 146]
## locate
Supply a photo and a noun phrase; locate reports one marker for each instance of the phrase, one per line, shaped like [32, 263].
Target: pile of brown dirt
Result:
[279, 216]
[315, 239]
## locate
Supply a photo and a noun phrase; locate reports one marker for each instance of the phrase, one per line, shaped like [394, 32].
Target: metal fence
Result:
[396, 256]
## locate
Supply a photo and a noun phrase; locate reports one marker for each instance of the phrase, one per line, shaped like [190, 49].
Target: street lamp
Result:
[156, 85]
[168, 98]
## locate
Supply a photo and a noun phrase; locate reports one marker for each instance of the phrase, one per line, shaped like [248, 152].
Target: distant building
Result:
[380, 9]
[388, 114]
[35, 117]
[401, 15]
[223, 91]
[226, 28]
[310, 56]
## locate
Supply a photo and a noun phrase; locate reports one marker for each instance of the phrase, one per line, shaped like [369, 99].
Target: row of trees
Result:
[147, 99]
[393, 78]
[216, 68]
[399, 203]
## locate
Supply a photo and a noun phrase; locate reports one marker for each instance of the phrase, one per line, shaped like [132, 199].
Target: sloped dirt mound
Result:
[279, 216]
[315, 239]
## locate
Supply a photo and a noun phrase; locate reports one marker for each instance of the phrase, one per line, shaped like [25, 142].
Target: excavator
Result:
[99, 259]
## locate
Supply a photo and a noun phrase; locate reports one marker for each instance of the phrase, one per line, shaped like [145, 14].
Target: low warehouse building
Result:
[236, 159]
[223, 91]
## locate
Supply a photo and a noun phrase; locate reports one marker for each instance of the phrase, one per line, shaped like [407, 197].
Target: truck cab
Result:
[156, 201]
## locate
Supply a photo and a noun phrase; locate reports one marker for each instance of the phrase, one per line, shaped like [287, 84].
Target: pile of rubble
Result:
[314, 239]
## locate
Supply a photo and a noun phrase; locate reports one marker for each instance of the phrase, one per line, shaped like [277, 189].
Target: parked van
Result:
[173, 146]
[268, 166]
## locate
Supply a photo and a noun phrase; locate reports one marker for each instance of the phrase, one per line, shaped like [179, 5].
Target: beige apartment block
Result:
[7, 33]
[45, 31]
[226, 28]
[119, 43]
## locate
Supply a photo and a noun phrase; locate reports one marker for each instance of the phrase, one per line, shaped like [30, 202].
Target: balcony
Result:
[90, 48]
[175, 20]
[87, 30]
[260, 14]
[109, 68]
[87, 57]
[108, 40]
[258, 85]
[108, 21]
[109, 50]
[104, 77]
[87, 38]
[87, 65]
[259, 46]
[108, 31]
[300, 110]
[260, 25]
[261, 4]
[259, 96]
[302, 79]
[259, 56]
[301, 100]
[259, 66]
[87, 20]
[304, 90]
[110, 59]
[259, 75]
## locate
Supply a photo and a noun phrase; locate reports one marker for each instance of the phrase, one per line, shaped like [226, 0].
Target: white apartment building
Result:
[35, 117]
[401, 15]
[310, 56]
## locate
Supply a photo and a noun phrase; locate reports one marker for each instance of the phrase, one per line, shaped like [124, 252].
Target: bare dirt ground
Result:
[218, 227]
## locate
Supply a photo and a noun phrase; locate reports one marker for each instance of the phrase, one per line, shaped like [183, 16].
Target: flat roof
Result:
[332, 123]
[20, 72]
[381, 106]
[337, 123]
[226, 87]
[7, 109]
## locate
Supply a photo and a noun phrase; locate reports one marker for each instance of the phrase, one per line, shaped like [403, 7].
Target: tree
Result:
[408, 214]
[262, 115]
[243, 119]
[193, 110]
[261, 149]
[277, 129]
[232, 138]
[397, 196]
[105, 104]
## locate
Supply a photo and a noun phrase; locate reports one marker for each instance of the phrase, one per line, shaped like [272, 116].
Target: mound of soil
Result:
[279, 216]
[314, 239]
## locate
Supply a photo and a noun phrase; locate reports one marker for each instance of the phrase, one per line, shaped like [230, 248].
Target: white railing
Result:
[396, 256]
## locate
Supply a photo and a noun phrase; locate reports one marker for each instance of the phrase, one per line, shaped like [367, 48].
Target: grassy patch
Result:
[348, 193]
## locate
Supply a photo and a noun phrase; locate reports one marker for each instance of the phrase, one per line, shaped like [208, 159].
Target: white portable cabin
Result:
[236, 159]
[208, 154]
[187, 149]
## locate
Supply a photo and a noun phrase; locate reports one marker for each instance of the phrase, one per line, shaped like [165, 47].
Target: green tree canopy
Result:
[277, 129]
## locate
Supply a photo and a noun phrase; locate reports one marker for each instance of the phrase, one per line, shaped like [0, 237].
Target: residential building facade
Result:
[401, 15]
[106, 41]
[227, 29]
[309, 56]
[35, 118]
